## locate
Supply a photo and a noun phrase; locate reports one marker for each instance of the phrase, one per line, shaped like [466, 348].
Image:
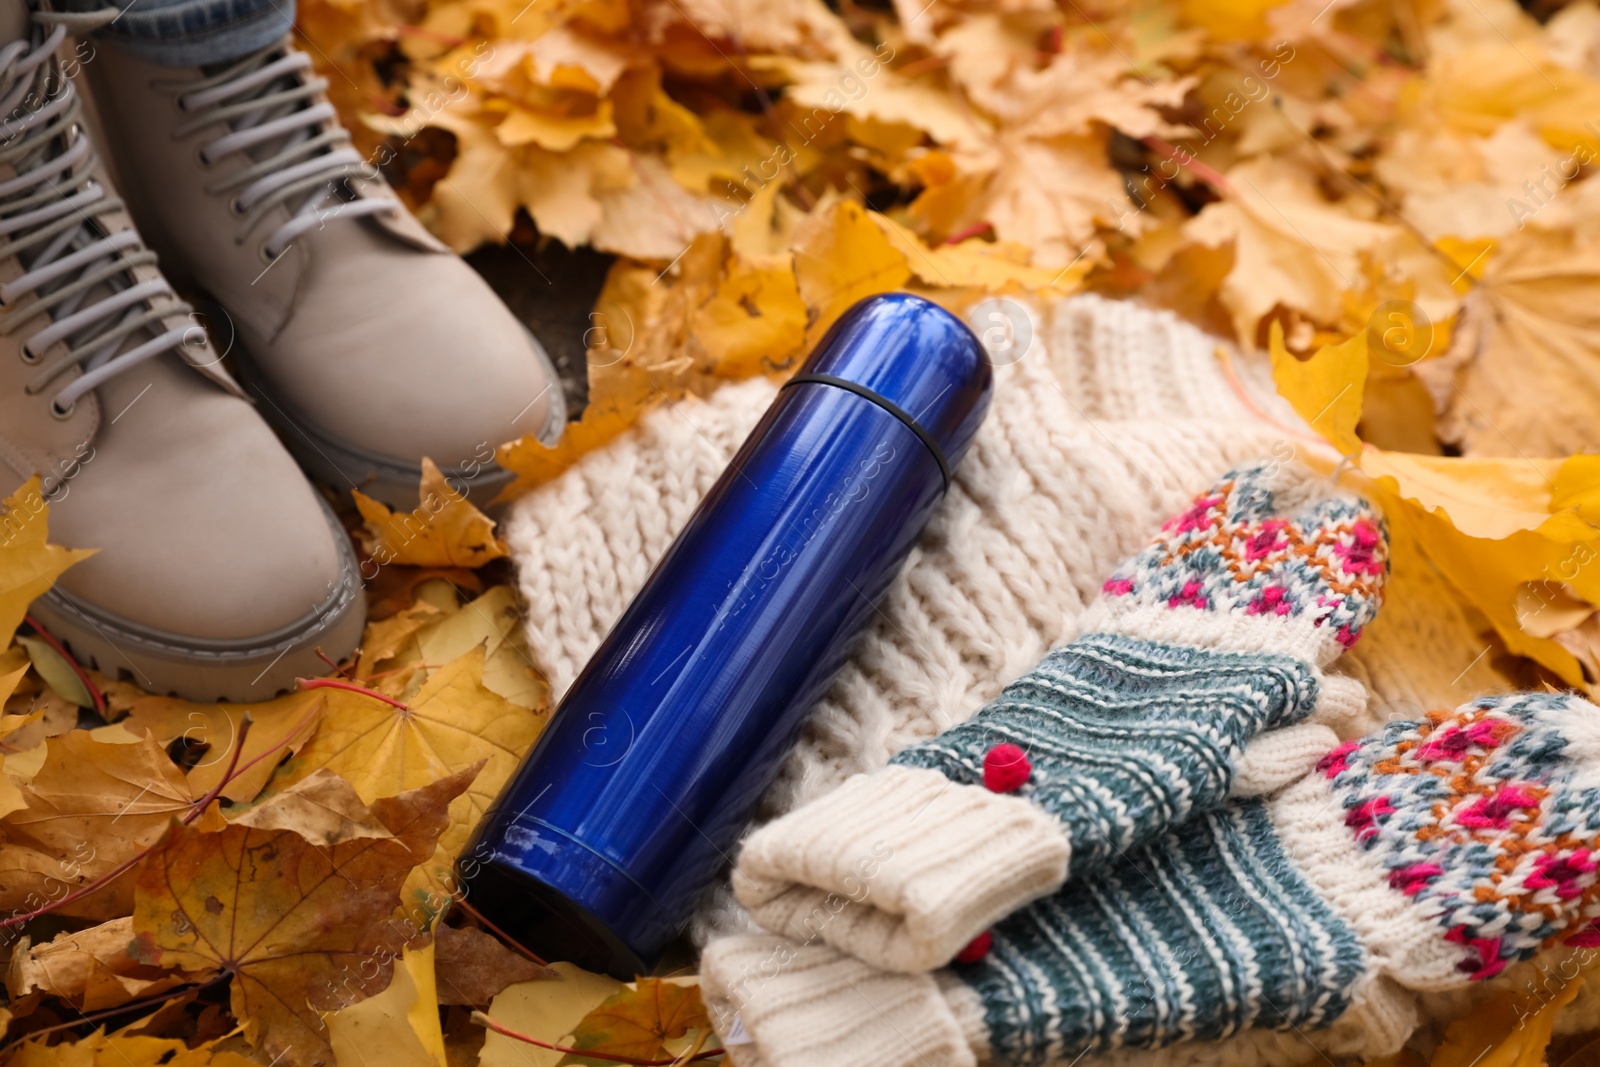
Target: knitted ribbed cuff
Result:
[811, 1005]
[901, 868]
[1278, 757]
[1405, 942]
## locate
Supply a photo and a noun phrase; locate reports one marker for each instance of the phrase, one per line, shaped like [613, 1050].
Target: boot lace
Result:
[80, 273]
[300, 154]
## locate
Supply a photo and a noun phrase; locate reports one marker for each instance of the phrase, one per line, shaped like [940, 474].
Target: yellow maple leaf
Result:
[210, 734]
[1052, 194]
[29, 565]
[452, 723]
[124, 1049]
[444, 530]
[1291, 245]
[398, 1027]
[755, 319]
[991, 266]
[1509, 1031]
[1326, 389]
[841, 256]
[549, 1009]
[89, 808]
[1230, 19]
[998, 66]
[637, 356]
[821, 90]
[549, 129]
[1510, 535]
[1521, 377]
[322, 808]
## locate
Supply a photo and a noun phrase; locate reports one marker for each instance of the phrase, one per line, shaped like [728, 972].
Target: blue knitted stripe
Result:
[1126, 737]
[1209, 930]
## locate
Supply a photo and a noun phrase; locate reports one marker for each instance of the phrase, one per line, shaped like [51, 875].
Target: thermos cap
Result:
[918, 357]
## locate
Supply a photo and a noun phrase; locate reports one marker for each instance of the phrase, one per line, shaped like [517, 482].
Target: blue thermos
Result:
[627, 807]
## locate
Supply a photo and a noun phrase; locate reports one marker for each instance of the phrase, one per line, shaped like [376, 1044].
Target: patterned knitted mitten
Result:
[1427, 856]
[1199, 674]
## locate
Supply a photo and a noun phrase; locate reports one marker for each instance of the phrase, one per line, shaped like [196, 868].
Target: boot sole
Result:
[243, 670]
[391, 480]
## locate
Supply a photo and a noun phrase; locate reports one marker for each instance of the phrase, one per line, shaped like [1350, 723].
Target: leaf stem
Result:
[515, 1035]
[258, 757]
[1192, 164]
[507, 938]
[974, 230]
[61, 650]
[349, 687]
[1225, 362]
[199, 806]
[323, 656]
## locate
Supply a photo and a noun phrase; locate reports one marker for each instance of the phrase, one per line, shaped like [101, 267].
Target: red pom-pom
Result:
[1005, 768]
[976, 949]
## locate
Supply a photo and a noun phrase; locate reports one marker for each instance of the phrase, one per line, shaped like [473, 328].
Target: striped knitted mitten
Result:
[1199, 674]
[1426, 856]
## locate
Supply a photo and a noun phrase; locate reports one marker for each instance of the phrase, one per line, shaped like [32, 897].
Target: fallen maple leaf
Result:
[90, 969]
[124, 1049]
[444, 530]
[452, 723]
[322, 808]
[636, 356]
[998, 66]
[548, 1009]
[398, 1027]
[91, 807]
[841, 256]
[634, 1022]
[1510, 1030]
[1493, 527]
[1338, 373]
[29, 565]
[210, 732]
[756, 318]
[1520, 378]
[1291, 246]
[402, 650]
[301, 929]
[1052, 194]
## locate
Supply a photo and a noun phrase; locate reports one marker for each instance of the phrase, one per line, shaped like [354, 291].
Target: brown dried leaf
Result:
[474, 966]
[302, 928]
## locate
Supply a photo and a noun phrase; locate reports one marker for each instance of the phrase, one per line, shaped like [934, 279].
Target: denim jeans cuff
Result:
[191, 33]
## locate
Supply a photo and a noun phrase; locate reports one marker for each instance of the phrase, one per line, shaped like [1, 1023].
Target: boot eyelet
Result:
[200, 156]
[27, 354]
[62, 413]
[267, 256]
[237, 208]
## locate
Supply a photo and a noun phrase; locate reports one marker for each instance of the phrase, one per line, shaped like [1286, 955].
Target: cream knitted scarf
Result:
[1112, 419]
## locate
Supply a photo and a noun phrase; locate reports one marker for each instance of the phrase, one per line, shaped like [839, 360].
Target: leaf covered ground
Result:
[1390, 201]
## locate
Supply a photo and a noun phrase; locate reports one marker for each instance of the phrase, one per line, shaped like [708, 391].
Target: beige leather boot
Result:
[220, 570]
[369, 343]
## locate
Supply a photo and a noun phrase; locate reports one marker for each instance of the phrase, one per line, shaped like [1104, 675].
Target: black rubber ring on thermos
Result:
[886, 404]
